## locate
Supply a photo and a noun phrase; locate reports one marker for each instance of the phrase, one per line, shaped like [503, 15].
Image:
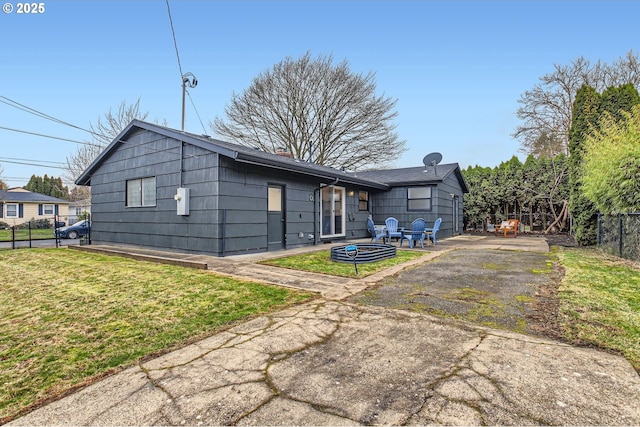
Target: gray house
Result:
[158, 187]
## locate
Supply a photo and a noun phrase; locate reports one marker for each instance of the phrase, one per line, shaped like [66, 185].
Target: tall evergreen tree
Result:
[586, 110]
[619, 100]
[479, 201]
[48, 185]
[611, 177]
[589, 108]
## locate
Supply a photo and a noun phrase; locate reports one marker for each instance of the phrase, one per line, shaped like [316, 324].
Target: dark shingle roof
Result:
[28, 197]
[381, 179]
[237, 152]
[416, 175]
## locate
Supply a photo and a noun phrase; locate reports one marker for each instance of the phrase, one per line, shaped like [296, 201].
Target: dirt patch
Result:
[561, 239]
[502, 289]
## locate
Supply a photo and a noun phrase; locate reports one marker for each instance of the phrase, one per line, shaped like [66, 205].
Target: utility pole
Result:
[192, 81]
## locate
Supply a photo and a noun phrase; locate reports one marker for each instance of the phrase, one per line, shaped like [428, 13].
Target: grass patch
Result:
[546, 270]
[321, 262]
[23, 234]
[600, 301]
[468, 294]
[494, 266]
[524, 298]
[67, 316]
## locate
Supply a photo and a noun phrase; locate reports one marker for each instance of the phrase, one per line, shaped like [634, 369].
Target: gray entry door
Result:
[275, 218]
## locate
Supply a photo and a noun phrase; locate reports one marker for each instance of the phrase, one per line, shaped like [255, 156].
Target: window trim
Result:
[141, 196]
[17, 213]
[410, 199]
[44, 209]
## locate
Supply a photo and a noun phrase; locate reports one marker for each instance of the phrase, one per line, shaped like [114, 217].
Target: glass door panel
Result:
[332, 219]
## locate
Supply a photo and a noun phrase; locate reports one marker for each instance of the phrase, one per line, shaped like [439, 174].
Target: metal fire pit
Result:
[367, 252]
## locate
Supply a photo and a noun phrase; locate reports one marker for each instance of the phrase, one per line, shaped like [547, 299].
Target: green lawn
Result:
[23, 234]
[600, 301]
[66, 316]
[321, 262]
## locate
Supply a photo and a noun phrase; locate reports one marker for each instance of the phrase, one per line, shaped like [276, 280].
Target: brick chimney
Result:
[282, 151]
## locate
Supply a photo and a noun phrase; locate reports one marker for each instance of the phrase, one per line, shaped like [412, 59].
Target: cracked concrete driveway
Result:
[494, 288]
[332, 362]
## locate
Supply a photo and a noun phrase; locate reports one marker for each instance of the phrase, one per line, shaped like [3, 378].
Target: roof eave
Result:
[85, 177]
[302, 169]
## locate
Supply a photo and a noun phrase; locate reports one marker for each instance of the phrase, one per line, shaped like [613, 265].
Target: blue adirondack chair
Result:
[417, 232]
[375, 235]
[392, 230]
[432, 232]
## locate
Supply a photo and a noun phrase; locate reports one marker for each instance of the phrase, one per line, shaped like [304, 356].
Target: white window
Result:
[419, 199]
[141, 192]
[12, 210]
[47, 209]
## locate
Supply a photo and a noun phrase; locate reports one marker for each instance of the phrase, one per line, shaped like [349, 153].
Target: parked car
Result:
[79, 229]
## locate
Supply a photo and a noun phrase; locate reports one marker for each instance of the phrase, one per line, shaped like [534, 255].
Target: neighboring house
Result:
[18, 206]
[159, 187]
[78, 209]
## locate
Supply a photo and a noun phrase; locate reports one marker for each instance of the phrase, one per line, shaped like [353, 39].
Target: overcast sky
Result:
[457, 69]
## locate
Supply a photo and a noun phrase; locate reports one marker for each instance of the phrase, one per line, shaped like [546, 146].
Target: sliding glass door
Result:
[332, 207]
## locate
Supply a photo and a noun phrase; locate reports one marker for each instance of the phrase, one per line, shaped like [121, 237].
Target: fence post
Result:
[56, 221]
[87, 237]
[13, 237]
[620, 235]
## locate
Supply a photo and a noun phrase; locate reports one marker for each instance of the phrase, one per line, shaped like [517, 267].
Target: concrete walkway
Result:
[328, 362]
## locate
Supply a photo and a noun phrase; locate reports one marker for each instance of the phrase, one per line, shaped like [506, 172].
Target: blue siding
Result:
[228, 201]
[147, 154]
[394, 203]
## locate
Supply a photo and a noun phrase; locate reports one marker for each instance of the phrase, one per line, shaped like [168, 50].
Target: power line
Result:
[50, 136]
[185, 77]
[21, 178]
[204, 131]
[2, 159]
[175, 42]
[28, 163]
[35, 112]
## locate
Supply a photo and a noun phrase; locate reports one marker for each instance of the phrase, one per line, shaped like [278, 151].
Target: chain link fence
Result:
[42, 232]
[620, 234]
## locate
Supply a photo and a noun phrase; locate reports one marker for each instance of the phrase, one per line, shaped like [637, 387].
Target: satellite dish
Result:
[432, 159]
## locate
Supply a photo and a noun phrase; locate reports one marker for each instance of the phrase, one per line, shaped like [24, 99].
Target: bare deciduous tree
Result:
[104, 132]
[316, 111]
[546, 110]
[3, 185]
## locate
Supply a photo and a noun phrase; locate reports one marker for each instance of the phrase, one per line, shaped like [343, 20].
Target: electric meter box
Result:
[182, 199]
